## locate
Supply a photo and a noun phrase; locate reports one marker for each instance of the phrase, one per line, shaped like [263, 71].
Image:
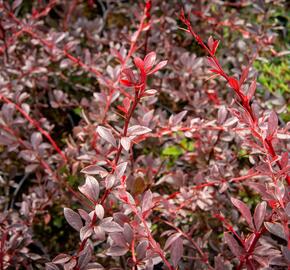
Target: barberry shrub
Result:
[133, 138]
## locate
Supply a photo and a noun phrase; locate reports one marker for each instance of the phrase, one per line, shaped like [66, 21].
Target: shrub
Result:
[121, 149]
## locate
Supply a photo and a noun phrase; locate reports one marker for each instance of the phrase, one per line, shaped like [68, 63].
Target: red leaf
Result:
[159, 66]
[128, 73]
[126, 103]
[122, 109]
[233, 83]
[212, 63]
[149, 61]
[210, 42]
[244, 75]
[139, 63]
[215, 46]
[126, 82]
[216, 71]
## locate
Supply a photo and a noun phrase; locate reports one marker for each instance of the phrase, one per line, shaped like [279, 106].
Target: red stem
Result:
[243, 99]
[36, 125]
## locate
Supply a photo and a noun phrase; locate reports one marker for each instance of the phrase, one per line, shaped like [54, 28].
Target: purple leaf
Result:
[36, 139]
[16, 3]
[230, 122]
[259, 214]
[280, 191]
[120, 218]
[138, 130]
[222, 115]
[120, 169]
[141, 249]
[244, 210]
[99, 233]
[174, 120]
[91, 188]
[51, 266]
[100, 212]
[61, 258]
[86, 232]
[212, 64]
[210, 42]
[28, 155]
[110, 181]
[126, 143]
[150, 92]
[244, 75]
[128, 233]
[252, 89]
[111, 227]
[159, 66]
[284, 159]
[176, 251]
[95, 169]
[118, 239]
[85, 257]
[31, 168]
[128, 73]
[287, 209]
[171, 239]
[117, 251]
[272, 124]
[73, 218]
[236, 249]
[107, 135]
[286, 254]
[276, 229]
[147, 201]
[6, 139]
[149, 61]
[84, 215]
[249, 240]
[70, 265]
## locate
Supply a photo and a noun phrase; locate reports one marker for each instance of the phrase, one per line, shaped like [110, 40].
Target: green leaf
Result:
[78, 111]
[172, 151]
